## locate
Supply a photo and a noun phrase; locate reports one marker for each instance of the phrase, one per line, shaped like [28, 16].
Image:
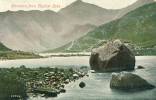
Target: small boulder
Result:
[23, 66]
[50, 94]
[129, 81]
[75, 76]
[82, 85]
[140, 67]
[46, 92]
[66, 81]
[62, 90]
[114, 56]
[92, 71]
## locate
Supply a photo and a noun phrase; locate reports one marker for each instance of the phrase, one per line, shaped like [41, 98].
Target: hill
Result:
[6, 53]
[137, 27]
[44, 30]
[3, 47]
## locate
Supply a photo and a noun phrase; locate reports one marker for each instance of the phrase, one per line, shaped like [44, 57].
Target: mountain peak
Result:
[80, 5]
[77, 2]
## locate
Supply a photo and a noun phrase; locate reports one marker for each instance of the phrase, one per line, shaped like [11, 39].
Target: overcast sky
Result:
[58, 4]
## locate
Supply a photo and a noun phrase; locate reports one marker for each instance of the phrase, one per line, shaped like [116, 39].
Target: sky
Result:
[56, 5]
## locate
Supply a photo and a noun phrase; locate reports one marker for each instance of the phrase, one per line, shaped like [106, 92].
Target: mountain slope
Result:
[3, 47]
[83, 13]
[137, 26]
[77, 29]
[6, 53]
[44, 30]
[132, 7]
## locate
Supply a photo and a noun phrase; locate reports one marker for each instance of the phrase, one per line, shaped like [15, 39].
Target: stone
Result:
[83, 67]
[82, 85]
[23, 66]
[140, 67]
[75, 76]
[113, 56]
[62, 90]
[92, 71]
[46, 92]
[87, 75]
[66, 81]
[129, 81]
[50, 94]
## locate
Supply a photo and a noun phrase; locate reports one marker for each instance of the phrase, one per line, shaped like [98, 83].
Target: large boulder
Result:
[128, 81]
[114, 56]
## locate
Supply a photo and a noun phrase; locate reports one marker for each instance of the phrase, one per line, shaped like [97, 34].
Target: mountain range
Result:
[137, 27]
[43, 30]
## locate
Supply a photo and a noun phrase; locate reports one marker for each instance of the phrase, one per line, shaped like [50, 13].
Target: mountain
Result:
[43, 30]
[29, 30]
[77, 29]
[137, 26]
[132, 7]
[82, 13]
[3, 47]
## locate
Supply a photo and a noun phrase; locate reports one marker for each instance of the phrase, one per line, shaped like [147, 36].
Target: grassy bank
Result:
[17, 55]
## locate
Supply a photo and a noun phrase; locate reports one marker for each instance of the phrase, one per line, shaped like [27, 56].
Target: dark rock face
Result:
[114, 56]
[128, 81]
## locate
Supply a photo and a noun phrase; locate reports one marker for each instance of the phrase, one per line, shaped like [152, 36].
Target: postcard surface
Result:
[77, 49]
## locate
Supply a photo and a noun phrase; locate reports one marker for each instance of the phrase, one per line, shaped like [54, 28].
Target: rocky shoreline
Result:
[46, 82]
[53, 82]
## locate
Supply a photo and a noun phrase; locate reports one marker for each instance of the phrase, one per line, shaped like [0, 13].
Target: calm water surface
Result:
[97, 84]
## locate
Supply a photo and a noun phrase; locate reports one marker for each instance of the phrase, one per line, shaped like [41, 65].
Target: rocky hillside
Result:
[42, 30]
[137, 27]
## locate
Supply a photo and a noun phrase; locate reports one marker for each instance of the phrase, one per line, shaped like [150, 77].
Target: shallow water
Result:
[97, 84]
[44, 62]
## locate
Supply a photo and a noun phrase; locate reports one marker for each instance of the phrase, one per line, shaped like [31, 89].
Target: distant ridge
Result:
[137, 26]
[44, 30]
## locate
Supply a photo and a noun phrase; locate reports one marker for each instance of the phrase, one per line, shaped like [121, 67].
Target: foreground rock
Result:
[82, 85]
[140, 67]
[114, 56]
[46, 93]
[128, 81]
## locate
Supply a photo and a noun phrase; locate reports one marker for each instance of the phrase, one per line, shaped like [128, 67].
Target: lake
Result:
[44, 62]
[97, 84]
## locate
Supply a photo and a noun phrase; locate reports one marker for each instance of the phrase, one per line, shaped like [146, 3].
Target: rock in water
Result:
[128, 81]
[82, 85]
[62, 91]
[114, 56]
[140, 67]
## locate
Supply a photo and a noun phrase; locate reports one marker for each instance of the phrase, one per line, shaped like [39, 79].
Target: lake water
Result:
[44, 62]
[97, 84]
